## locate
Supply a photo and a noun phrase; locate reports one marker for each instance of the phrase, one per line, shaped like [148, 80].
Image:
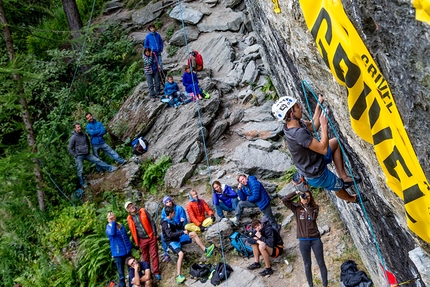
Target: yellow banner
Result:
[422, 8]
[373, 112]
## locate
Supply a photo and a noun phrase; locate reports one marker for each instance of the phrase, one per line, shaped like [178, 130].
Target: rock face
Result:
[290, 55]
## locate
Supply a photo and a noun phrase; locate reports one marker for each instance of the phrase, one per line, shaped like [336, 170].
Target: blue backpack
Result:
[137, 147]
[238, 241]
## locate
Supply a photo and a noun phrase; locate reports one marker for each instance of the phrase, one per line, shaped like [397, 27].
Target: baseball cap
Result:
[126, 204]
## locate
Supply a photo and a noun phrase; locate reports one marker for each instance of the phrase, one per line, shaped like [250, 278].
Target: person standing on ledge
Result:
[311, 156]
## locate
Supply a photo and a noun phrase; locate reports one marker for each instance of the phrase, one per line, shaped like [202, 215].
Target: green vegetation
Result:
[172, 50]
[269, 90]
[158, 24]
[170, 31]
[153, 176]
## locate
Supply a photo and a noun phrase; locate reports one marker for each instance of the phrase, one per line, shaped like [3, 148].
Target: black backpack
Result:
[200, 271]
[218, 274]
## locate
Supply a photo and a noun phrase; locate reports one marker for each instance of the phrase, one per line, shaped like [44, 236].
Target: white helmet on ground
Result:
[282, 106]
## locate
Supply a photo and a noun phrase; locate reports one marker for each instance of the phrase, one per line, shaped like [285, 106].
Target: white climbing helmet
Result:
[282, 106]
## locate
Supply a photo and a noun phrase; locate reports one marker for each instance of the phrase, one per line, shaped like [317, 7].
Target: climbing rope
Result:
[65, 102]
[203, 135]
[305, 86]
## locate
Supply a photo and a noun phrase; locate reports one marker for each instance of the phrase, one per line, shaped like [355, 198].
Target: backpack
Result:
[139, 146]
[238, 241]
[199, 59]
[218, 274]
[200, 271]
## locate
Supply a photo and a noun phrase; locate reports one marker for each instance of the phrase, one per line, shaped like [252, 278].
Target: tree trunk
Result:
[25, 113]
[73, 18]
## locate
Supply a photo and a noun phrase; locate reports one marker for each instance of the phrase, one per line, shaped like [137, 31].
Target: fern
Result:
[153, 176]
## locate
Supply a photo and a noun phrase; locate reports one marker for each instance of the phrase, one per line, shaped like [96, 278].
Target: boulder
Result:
[225, 228]
[261, 113]
[178, 174]
[217, 130]
[113, 6]
[137, 37]
[289, 188]
[178, 37]
[234, 76]
[230, 21]
[196, 153]
[263, 130]
[422, 261]
[262, 145]
[260, 163]
[148, 13]
[250, 74]
[236, 116]
[188, 14]
[252, 49]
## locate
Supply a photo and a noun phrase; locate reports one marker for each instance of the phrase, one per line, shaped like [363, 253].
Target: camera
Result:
[303, 195]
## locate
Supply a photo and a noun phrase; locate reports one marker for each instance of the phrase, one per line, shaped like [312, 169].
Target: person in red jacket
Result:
[197, 208]
[144, 234]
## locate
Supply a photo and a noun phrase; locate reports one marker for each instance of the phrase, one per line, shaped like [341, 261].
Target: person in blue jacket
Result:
[96, 130]
[180, 219]
[191, 83]
[224, 198]
[154, 41]
[120, 245]
[253, 194]
[172, 92]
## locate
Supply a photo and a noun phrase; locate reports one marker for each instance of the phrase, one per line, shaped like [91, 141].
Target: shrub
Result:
[153, 176]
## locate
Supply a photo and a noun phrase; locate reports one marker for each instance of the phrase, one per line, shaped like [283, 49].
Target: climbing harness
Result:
[305, 86]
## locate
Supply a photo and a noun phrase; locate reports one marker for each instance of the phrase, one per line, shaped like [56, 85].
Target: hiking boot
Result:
[85, 185]
[158, 277]
[266, 271]
[209, 250]
[152, 99]
[124, 162]
[234, 220]
[113, 168]
[207, 96]
[254, 265]
[180, 279]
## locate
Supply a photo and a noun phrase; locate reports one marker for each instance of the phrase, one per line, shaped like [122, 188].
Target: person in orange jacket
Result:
[197, 208]
[144, 234]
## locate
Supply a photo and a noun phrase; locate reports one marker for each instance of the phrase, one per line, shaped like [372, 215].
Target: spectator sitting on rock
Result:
[139, 273]
[191, 83]
[175, 236]
[180, 219]
[197, 209]
[253, 194]
[172, 92]
[266, 242]
[224, 198]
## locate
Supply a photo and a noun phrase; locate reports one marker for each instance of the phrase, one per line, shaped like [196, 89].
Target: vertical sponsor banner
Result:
[373, 112]
[422, 8]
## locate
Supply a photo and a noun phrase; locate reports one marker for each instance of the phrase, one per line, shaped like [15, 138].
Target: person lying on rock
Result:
[311, 156]
[197, 210]
[253, 194]
[224, 198]
[306, 213]
[180, 220]
[266, 242]
[139, 273]
[175, 237]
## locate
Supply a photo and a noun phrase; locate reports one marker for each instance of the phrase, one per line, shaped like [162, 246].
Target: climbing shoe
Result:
[209, 250]
[254, 265]
[207, 96]
[180, 279]
[266, 271]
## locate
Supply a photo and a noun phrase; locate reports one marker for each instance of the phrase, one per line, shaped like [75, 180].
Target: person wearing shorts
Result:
[175, 237]
[266, 242]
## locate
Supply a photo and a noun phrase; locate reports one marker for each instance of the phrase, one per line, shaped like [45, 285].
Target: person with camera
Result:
[120, 245]
[306, 213]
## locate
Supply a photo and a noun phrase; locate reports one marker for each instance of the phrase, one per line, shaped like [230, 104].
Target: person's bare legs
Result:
[256, 252]
[343, 194]
[196, 238]
[338, 160]
[179, 263]
[265, 253]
